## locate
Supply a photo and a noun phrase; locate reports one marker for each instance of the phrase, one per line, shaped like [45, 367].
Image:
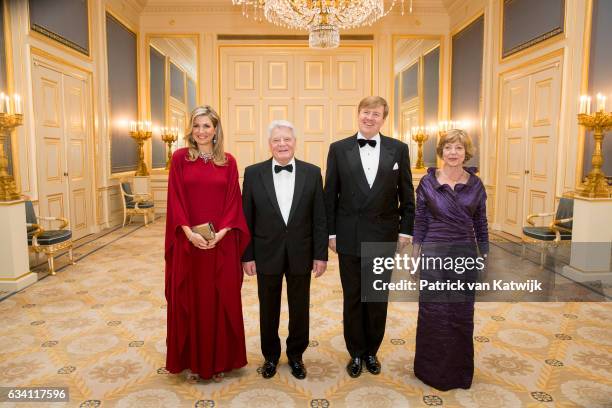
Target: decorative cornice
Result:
[136, 5]
[210, 9]
[420, 8]
[260, 37]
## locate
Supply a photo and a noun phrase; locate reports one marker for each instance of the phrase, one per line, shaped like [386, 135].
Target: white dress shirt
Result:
[284, 184]
[369, 158]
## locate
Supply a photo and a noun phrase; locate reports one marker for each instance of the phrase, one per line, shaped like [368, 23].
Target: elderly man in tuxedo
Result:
[285, 211]
[369, 198]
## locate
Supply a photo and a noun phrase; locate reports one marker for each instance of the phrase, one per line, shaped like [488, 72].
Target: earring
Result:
[215, 140]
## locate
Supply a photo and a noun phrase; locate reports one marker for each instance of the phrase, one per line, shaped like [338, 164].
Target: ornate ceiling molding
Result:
[421, 7]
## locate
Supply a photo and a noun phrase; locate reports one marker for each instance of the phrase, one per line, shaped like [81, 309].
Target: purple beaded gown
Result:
[448, 223]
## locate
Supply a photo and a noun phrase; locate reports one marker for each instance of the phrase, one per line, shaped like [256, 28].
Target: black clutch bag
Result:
[206, 230]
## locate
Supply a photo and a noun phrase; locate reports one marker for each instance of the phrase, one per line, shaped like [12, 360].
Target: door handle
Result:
[526, 171]
[65, 174]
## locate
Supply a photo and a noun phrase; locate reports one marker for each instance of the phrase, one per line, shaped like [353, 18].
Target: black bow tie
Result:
[278, 169]
[363, 142]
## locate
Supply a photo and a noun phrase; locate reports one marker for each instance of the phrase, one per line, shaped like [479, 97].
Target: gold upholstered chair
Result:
[136, 204]
[560, 229]
[48, 241]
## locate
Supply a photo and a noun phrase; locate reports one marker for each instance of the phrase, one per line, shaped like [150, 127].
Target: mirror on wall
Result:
[416, 96]
[172, 90]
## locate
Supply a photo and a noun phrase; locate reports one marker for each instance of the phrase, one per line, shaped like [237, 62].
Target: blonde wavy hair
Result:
[218, 151]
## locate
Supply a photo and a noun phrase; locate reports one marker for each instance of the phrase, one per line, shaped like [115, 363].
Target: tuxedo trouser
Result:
[364, 322]
[269, 289]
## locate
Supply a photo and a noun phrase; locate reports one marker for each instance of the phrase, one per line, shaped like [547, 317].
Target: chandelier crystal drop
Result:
[324, 36]
[322, 18]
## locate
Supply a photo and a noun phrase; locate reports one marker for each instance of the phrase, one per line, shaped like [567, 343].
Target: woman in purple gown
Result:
[450, 222]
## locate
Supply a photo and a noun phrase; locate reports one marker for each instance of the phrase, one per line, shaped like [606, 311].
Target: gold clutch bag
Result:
[206, 230]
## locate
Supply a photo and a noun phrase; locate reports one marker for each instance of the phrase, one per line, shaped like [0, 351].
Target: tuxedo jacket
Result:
[304, 237]
[357, 213]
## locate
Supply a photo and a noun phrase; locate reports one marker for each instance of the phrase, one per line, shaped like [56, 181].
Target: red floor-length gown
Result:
[205, 327]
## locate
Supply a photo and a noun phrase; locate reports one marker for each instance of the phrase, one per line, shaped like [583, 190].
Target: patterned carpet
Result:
[99, 328]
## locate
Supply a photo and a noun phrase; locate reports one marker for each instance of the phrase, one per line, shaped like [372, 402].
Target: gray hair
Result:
[280, 123]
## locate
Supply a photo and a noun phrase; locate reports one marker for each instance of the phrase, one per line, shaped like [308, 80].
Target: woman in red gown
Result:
[203, 278]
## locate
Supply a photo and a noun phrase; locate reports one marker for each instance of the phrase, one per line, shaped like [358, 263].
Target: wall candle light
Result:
[9, 120]
[141, 132]
[601, 103]
[419, 135]
[169, 136]
[595, 184]
[18, 109]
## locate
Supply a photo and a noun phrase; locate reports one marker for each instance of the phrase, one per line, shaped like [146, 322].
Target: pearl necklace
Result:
[205, 156]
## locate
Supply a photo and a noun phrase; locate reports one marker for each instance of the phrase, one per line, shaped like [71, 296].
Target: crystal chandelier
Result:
[322, 18]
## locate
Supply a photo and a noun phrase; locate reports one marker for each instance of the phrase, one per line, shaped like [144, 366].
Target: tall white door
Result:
[61, 111]
[316, 90]
[529, 133]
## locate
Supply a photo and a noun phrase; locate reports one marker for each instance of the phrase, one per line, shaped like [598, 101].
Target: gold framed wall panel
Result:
[479, 122]
[170, 62]
[134, 30]
[148, 36]
[450, 76]
[533, 45]
[441, 79]
[60, 43]
[458, 29]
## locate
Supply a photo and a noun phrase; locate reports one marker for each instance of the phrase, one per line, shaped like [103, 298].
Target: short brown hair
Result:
[374, 102]
[456, 135]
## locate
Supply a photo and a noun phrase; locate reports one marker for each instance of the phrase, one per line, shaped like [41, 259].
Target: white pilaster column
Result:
[591, 240]
[15, 271]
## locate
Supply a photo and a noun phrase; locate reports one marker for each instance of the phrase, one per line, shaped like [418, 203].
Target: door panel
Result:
[50, 142]
[246, 127]
[317, 91]
[514, 134]
[528, 147]
[61, 106]
[78, 164]
[542, 142]
[312, 127]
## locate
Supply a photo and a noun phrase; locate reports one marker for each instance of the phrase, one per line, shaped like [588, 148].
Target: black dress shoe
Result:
[268, 370]
[297, 369]
[372, 364]
[354, 367]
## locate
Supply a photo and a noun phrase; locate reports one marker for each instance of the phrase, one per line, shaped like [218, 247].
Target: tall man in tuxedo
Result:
[283, 203]
[369, 197]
